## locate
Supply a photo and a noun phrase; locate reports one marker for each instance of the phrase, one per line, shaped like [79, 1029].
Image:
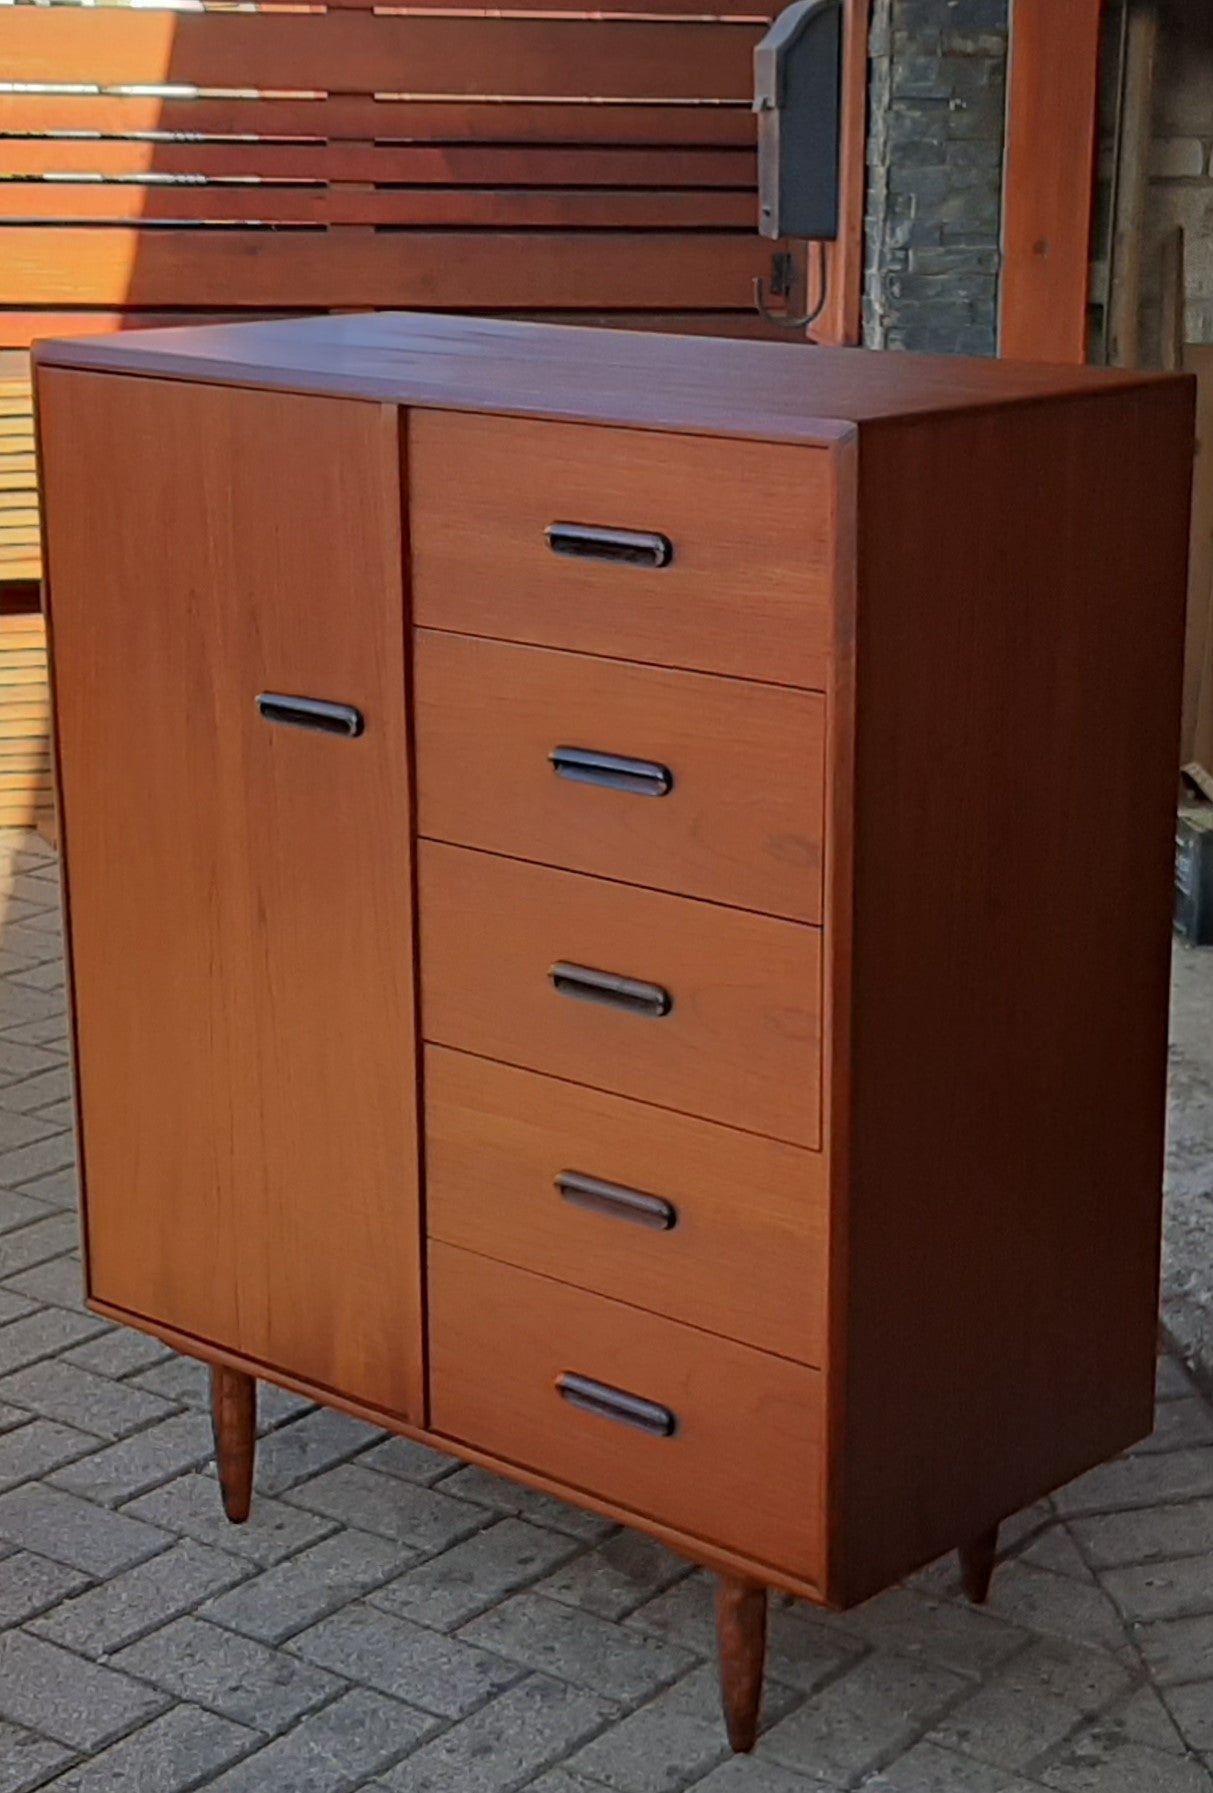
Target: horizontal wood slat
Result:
[22, 640]
[512, 165]
[20, 329]
[676, 11]
[363, 117]
[438, 207]
[549, 270]
[565, 163]
[359, 52]
[25, 766]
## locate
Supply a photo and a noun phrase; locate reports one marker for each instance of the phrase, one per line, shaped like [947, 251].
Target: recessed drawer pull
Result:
[605, 986]
[617, 1202]
[645, 778]
[311, 712]
[630, 547]
[600, 1399]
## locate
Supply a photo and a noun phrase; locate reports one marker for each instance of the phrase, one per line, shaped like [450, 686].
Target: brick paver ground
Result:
[391, 1621]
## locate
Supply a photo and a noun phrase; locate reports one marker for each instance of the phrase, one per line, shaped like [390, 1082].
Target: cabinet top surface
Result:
[647, 380]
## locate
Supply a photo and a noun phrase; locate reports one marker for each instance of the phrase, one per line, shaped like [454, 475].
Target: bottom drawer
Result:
[697, 1432]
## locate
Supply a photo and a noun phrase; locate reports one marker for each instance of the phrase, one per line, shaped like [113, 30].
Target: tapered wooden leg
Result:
[977, 1565]
[741, 1639]
[234, 1417]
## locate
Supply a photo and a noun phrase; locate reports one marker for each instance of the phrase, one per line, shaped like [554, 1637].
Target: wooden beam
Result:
[1051, 130]
[1132, 186]
[842, 320]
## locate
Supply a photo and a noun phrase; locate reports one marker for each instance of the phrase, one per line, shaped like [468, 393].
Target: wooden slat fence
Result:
[245, 159]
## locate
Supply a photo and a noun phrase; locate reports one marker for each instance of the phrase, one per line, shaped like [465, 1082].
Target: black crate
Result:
[1194, 875]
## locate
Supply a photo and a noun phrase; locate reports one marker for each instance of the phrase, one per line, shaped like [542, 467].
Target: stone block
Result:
[119, 1610]
[442, 1675]
[500, 1747]
[577, 1646]
[856, 1723]
[38, 1447]
[69, 1700]
[30, 1583]
[461, 1582]
[406, 1512]
[1179, 158]
[76, 1532]
[232, 1675]
[60, 1391]
[183, 1748]
[297, 1593]
[143, 1461]
[191, 1507]
[330, 1751]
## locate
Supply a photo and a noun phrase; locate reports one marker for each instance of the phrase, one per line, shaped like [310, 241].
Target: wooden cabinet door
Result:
[239, 892]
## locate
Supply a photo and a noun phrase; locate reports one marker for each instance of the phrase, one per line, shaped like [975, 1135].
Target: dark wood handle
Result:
[311, 712]
[605, 1402]
[616, 1201]
[588, 985]
[612, 771]
[628, 547]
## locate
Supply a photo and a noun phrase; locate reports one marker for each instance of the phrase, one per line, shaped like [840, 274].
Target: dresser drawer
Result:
[511, 961]
[653, 1208]
[745, 587]
[706, 786]
[696, 1432]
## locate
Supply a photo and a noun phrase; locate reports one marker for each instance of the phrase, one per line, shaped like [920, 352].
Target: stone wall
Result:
[937, 103]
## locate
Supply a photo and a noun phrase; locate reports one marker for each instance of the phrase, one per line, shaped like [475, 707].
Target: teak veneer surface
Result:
[743, 1468]
[997, 1124]
[697, 385]
[964, 1063]
[741, 824]
[741, 1043]
[746, 1257]
[239, 894]
[746, 591]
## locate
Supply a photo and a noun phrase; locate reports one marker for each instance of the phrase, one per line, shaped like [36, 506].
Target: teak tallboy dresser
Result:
[619, 900]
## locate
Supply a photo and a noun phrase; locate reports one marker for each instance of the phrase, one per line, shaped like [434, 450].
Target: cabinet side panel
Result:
[1019, 642]
[239, 892]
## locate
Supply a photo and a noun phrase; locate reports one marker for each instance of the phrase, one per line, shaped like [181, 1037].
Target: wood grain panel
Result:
[741, 824]
[1008, 1012]
[497, 1138]
[441, 165]
[452, 208]
[741, 1043]
[1052, 111]
[693, 10]
[366, 117]
[355, 53]
[113, 265]
[244, 1000]
[24, 328]
[743, 1467]
[842, 318]
[745, 593]
[20, 330]
[772, 392]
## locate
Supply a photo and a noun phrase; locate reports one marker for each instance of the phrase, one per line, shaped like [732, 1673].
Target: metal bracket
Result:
[783, 283]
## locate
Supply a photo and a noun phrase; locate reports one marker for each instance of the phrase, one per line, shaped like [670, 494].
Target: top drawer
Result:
[745, 587]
